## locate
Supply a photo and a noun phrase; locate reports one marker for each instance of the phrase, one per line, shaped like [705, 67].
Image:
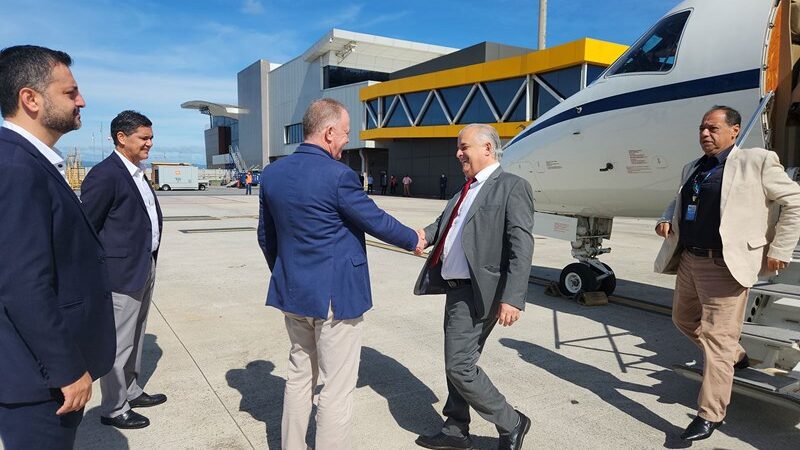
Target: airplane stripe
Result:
[737, 81]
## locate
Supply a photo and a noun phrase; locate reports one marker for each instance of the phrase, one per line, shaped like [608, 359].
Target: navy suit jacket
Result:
[118, 213]
[56, 314]
[311, 226]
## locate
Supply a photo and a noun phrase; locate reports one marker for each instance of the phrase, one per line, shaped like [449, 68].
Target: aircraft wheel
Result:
[577, 278]
[166, 188]
[609, 283]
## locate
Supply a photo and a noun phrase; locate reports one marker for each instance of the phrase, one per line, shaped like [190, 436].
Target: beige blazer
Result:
[759, 215]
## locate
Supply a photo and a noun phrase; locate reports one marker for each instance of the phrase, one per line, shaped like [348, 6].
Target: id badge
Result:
[691, 213]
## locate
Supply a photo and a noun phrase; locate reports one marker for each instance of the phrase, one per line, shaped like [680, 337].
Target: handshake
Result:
[421, 244]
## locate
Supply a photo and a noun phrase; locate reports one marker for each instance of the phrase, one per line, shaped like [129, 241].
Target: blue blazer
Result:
[311, 226]
[118, 213]
[56, 314]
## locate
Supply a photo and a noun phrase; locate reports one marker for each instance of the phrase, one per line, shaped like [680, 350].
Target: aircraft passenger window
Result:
[656, 51]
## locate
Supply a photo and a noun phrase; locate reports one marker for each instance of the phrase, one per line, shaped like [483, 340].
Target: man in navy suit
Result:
[56, 318]
[125, 212]
[313, 216]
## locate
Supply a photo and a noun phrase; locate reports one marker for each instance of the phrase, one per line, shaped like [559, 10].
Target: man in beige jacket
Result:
[724, 228]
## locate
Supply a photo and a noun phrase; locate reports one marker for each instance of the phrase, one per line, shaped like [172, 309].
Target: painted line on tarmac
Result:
[616, 299]
[194, 361]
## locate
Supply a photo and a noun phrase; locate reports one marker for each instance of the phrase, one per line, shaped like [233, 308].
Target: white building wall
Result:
[292, 87]
[254, 129]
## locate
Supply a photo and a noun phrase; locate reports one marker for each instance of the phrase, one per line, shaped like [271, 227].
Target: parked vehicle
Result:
[167, 177]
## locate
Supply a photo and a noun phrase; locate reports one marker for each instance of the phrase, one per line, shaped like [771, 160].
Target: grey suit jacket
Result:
[497, 241]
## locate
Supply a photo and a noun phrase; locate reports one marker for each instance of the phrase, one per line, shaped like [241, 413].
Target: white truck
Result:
[169, 176]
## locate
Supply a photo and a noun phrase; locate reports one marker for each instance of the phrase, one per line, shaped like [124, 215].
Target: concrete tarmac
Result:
[588, 377]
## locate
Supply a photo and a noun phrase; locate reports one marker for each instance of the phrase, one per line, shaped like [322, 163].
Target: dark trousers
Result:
[248, 189]
[442, 193]
[383, 189]
[36, 425]
[467, 384]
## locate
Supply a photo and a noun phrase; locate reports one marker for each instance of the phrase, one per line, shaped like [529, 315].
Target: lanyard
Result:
[696, 183]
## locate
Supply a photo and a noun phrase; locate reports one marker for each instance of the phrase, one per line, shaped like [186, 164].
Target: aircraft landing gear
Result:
[589, 274]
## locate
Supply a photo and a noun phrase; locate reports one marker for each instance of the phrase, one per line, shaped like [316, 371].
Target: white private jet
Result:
[617, 147]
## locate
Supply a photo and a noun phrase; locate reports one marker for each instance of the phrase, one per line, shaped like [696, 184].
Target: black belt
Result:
[705, 252]
[456, 283]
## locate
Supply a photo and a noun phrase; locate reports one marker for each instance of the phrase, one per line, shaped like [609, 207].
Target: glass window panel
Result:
[334, 76]
[398, 115]
[434, 115]
[518, 113]
[415, 100]
[593, 72]
[655, 51]
[477, 111]
[293, 134]
[454, 97]
[370, 123]
[502, 92]
[564, 81]
[544, 101]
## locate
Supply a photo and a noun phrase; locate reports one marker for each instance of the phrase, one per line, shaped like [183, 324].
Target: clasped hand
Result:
[421, 243]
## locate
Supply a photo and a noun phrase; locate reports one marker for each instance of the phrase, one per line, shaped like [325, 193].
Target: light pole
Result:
[542, 23]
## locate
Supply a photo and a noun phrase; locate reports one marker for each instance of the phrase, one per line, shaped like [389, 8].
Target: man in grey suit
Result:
[481, 260]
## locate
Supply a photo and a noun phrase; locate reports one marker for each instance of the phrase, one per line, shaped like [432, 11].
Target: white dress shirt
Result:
[52, 154]
[454, 261]
[149, 199]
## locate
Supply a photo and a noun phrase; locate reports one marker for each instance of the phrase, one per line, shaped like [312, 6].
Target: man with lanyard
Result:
[718, 239]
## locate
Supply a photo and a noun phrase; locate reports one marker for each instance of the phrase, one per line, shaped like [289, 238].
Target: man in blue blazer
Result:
[56, 318]
[125, 212]
[313, 216]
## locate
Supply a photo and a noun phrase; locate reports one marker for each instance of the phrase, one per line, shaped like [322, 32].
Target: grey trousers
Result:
[467, 384]
[130, 314]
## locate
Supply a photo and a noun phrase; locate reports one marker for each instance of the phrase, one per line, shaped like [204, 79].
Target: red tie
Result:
[437, 252]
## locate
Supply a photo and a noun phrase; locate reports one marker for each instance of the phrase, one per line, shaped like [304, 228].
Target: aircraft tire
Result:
[609, 283]
[577, 278]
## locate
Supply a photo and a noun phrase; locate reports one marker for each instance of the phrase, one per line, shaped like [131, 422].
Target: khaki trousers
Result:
[708, 307]
[330, 348]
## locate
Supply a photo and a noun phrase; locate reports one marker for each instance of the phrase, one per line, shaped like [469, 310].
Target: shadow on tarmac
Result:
[91, 434]
[757, 423]
[410, 400]
[262, 396]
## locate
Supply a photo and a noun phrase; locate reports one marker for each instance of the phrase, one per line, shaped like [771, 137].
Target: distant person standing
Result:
[370, 180]
[407, 186]
[393, 185]
[443, 187]
[384, 182]
[312, 236]
[56, 316]
[248, 183]
[125, 212]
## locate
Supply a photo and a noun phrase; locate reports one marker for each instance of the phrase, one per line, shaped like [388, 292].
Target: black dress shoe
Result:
[699, 429]
[443, 441]
[513, 439]
[743, 363]
[128, 420]
[144, 400]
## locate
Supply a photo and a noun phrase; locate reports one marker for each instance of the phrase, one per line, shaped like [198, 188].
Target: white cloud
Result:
[252, 7]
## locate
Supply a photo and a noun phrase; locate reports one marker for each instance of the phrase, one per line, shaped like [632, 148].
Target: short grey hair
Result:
[321, 114]
[488, 135]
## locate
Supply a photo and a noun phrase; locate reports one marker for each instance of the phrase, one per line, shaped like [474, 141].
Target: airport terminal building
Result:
[407, 100]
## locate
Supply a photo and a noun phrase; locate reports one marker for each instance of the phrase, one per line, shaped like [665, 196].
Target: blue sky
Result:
[152, 56]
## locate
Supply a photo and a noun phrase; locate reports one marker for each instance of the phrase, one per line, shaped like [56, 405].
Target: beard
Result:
[60, 121]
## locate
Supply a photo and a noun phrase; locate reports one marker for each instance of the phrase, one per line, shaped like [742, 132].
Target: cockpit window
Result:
[655, 52]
